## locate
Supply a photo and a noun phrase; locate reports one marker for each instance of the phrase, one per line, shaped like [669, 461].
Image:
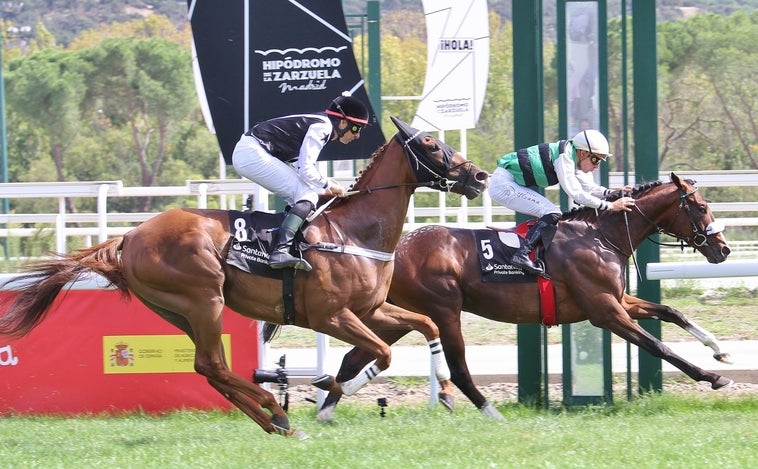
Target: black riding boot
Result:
[280, 257]
[521, 258]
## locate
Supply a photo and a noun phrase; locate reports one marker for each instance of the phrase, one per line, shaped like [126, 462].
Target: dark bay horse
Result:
[175, 264]
[437, 273]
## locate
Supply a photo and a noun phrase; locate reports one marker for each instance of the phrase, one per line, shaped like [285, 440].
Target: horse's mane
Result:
[582, 213]
[374, 156]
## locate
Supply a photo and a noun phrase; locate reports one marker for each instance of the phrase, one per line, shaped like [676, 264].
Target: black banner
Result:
[260, 59]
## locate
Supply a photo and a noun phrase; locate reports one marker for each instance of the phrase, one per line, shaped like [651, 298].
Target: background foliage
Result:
[102, 90]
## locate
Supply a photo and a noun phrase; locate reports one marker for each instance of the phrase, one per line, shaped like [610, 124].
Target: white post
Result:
[102, 213]
[60, 226]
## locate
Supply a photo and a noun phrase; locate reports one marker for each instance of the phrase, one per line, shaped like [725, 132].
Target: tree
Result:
[707, 104]
[47, 90]
[143, 86]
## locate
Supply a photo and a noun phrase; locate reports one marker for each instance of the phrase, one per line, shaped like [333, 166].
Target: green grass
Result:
[653, 431]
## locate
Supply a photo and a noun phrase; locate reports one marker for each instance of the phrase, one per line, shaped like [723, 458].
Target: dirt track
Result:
[498, 392]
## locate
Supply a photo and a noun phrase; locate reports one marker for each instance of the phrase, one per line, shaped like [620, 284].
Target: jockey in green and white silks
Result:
[567, 162]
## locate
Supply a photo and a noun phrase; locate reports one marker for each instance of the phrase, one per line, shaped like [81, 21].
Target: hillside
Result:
[65, 19]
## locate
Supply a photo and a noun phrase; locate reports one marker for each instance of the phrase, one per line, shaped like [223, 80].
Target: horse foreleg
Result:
[638, 308]
[345, 325]
[352, 363]
[623, 326]
[389, 316]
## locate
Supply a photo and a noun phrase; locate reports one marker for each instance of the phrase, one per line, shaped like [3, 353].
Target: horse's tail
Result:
[34, 291]
[269, 331]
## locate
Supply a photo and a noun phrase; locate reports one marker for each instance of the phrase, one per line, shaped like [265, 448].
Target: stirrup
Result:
[530, 267]
[286, 260]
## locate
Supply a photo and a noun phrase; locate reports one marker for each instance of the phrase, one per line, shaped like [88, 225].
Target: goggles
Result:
[596, 159]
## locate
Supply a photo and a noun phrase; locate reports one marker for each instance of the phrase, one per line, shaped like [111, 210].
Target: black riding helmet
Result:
[348, 108]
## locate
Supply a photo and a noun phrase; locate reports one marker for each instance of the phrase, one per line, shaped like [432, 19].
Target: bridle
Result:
[433, 178]
[428, 174]
[699, 236]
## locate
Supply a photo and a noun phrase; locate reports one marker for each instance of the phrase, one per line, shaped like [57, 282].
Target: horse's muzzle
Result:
[481, 181]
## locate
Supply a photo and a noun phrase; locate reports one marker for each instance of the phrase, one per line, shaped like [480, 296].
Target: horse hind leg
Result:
[248, 397]
[201, 321]
[455, 353]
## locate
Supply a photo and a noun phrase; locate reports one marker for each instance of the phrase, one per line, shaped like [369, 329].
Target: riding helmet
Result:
[349, 108]
[592, 141]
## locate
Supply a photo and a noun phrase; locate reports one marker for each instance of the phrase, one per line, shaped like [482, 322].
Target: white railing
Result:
[232, 193]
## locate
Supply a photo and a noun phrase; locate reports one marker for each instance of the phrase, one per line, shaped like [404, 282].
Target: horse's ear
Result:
[406, 132]
[675, 179]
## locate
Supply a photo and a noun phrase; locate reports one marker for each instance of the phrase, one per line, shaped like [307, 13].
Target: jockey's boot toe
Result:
[283, 260]
[526, 264]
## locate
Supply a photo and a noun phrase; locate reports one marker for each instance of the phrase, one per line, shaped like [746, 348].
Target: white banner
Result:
[457, 67]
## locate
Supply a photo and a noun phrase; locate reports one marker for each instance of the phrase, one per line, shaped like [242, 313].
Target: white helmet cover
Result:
[592, 141]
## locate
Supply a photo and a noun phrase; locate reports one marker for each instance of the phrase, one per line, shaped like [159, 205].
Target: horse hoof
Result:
[280, 422]
[724, 357]
[281, 425]
[447, 400]
[324, 382]
[299, 435]
[721, 382]
[296, 434]
[490, 411]
[326, 414]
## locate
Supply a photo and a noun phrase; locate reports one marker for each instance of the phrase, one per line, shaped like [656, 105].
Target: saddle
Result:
[252, 236]
[496, 247]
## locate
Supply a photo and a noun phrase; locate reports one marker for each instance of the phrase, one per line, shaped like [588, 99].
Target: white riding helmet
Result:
[592, 141]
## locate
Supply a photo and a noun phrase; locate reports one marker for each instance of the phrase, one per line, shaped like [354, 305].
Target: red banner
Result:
[97, 353]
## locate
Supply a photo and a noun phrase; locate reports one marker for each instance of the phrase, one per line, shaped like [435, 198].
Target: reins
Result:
[698, 238]
[438, 181]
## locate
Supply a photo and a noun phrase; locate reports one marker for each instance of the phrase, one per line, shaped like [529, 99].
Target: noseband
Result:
[699, 236]
[430, 177]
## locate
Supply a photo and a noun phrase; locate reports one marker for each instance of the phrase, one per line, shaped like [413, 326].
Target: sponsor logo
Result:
[6, 356]
[294, 72]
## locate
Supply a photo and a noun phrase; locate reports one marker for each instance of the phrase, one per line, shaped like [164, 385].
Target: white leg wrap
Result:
[703, 336]
[350, 387]
[438, 360]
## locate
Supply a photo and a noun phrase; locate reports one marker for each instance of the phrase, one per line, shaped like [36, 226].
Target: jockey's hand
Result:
[335, 188]
[624, 204]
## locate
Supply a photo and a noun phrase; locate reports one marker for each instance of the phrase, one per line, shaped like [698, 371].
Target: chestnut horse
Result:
[175, 264]
[437, 273]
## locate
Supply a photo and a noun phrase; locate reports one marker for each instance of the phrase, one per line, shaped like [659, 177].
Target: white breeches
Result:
[252, 161]
[507, 192]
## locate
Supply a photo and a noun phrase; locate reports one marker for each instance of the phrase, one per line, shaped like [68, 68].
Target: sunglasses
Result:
[356, 129]
[595, 160]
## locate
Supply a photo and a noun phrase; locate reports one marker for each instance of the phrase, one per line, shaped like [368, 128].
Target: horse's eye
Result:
[435, 148]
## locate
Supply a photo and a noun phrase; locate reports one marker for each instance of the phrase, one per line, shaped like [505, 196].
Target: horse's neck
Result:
[633, 228]
[374, 218]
